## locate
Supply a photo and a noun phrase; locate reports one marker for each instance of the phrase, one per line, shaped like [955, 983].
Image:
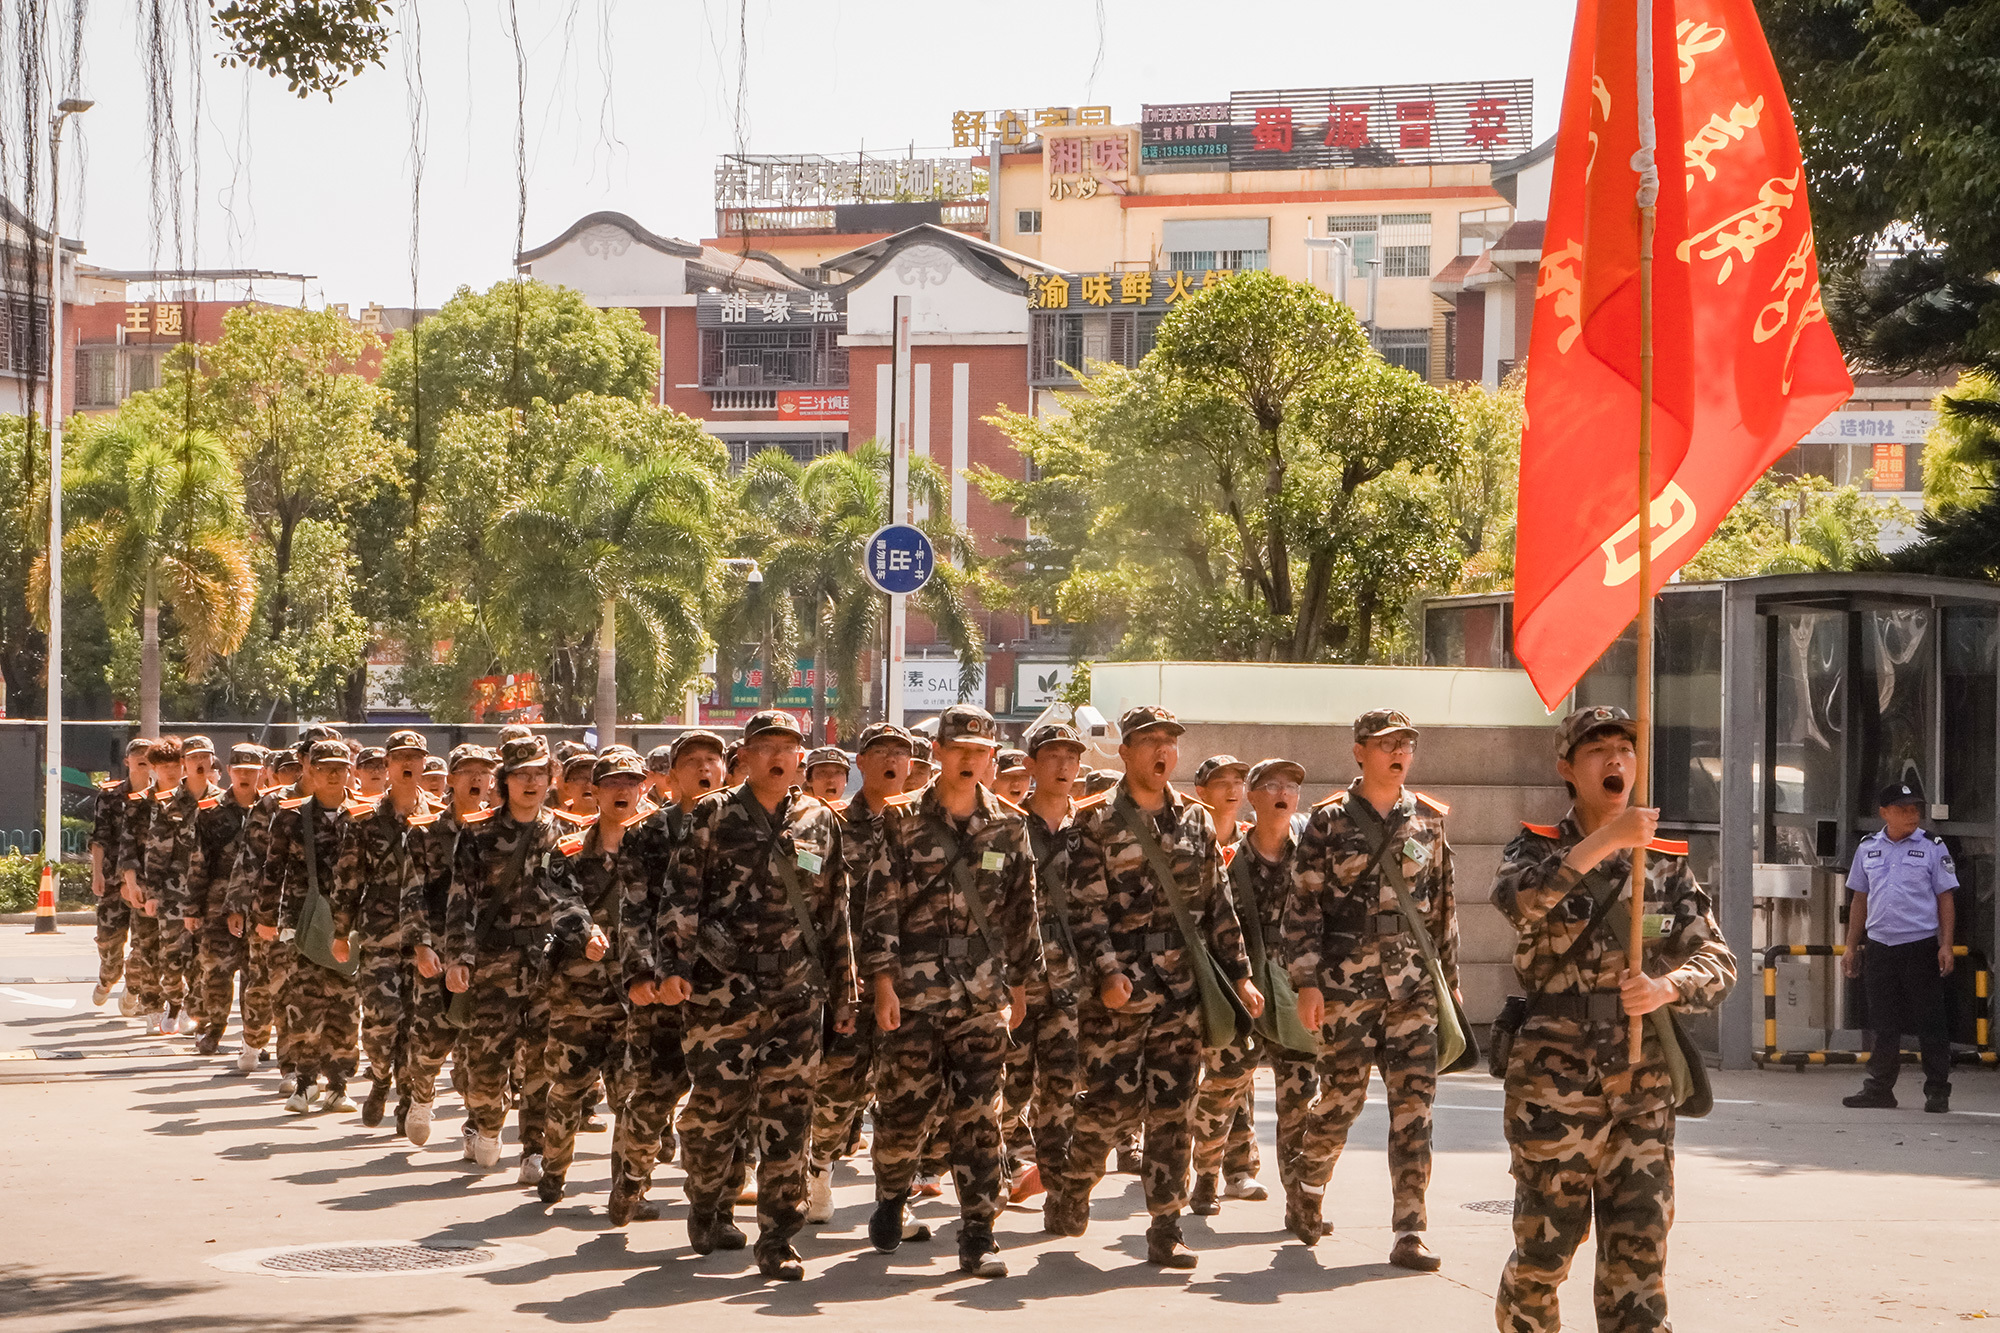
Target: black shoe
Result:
[210, 1040]
[1164, 1245]
[378, 1101]
[701, 1231]
[781, 1263]
[550, 1188]
[624, 1207]
[1206, 1201]
[977, 1254]
[1937, 1103]
[728, 1236]
[885, 1228]
[1870, 1099]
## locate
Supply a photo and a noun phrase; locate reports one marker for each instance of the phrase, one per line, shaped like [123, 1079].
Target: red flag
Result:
[1745, 363]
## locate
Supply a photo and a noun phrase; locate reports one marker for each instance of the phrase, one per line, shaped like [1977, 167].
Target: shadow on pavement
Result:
[102, 1302]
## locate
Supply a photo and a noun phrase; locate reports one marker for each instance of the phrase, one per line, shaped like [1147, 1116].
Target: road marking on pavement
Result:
[29, 997]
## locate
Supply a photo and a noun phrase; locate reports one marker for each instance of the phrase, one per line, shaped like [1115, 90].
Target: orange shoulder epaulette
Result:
[640, 816]
[1089, 801]
[136, 795]
[570, 845]
[208, 803]
[1433, 802]
[294, 803]
[1009, 806]
[477, 817]
[1243, 826]
[276, 786]
[1330, 799]
[901, 799]
[162, 797]
[1542, 830]
[425, 818]
[571, 816]
[647, 807]
[1667, 847]
[109, 784]
[838, 807]
[359, 806]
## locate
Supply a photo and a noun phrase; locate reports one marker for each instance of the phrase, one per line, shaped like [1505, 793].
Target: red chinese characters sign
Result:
[1305, 128]
[812, 404]
[513, 698]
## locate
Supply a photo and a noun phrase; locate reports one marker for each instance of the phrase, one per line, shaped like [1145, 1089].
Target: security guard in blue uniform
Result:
[1902, 882]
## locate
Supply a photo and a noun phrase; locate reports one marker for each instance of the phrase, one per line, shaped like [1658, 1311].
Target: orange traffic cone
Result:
[45, 904]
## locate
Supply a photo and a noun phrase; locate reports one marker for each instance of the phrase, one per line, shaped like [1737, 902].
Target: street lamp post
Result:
[52, 805]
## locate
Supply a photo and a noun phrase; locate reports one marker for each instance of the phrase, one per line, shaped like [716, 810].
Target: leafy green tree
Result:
[1479, 492]
[158, 519]
[1793, 525]
[1209, 502]
[313, 45]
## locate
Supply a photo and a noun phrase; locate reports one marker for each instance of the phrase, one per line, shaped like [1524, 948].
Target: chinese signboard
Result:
[713, 310]
[1039, 684]
[1889, 474]
[515, 698]
[1294, 129]
[973, 129]
[812, 404]
[746, 686]
[1851, 427]
[1084, 165]
[898, 559]
[932, 687]
[164, 320]
[1156, 288]
[806, 180]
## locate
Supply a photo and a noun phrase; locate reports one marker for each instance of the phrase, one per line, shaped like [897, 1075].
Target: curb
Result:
[62, 918]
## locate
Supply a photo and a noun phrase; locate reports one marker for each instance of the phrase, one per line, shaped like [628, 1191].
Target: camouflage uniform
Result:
[428, 1038]
[1142, 1062]
[586, 1002]
[949, 1053]
[754, 1023]
[267, 963]
[217, 838]
[1044, 1071]
[117, 804]
[371, 887]
[1591, 1134]
[1345, 935]
[847, 1068]
[321, 1008]
[150, 862]
[510, 996]
[654, 1077]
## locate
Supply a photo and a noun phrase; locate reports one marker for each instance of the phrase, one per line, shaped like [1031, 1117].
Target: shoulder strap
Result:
[311, 841]
[1051, 886]
[1163, 870]
[788, 879]
[1253, 930]
[1392, 872]
[968, 884]
[508, 879]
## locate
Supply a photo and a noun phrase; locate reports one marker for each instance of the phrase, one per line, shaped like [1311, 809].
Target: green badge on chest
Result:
[809, 861]
[992, 860]
[1415, 851]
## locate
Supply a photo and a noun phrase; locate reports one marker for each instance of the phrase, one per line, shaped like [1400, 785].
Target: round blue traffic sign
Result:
[898, 559]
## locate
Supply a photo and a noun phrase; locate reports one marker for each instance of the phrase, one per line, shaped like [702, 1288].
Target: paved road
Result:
[135, 1166]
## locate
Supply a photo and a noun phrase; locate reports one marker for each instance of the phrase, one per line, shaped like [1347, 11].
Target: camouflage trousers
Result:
[383, 983]
[1297, 1079]
[1140, 1071]
[942, 1065]
[323, 1016]
[142, 964]
[427, 1037]
[1571, 1171]
[180, 975]
[1044, 1076]
[114, 926]
[752, 1066]
[650, 1086]
[586, 1041]
[1400, 1038]
[267, 964]
[846, 1083]
[1225, 1135]
[222, 956]
[509, 1013]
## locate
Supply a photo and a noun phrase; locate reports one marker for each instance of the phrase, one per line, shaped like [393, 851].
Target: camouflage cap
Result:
[660, 759]
[687, 740]
[372, 754]
[618, 763]
[920, 749]
[331, 752]
[1101, 779]
[515, 731]
[280, 760]
[828, 754]
[194, 745]
[247, 756]
[469, 754]
[434, 763]
[564, 751]
[771, 722]
[1217, 764]
[1054, 733]
[581, 762]
[1146, 717]
[1276, 768]
[407, 740]
[967, 724]
[313, 735]
[1382, 722]
[517, 756]
[137, 745]
[1011, 761]
[877, 732]
[1584, 723]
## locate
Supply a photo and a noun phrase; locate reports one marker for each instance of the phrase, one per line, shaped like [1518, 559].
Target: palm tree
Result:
[809, 526]
[159, 520]
[610, 548]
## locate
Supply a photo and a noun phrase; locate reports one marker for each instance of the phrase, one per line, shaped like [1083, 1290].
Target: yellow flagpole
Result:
[1642, 787]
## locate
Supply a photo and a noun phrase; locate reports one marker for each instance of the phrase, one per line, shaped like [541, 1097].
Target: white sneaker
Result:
[301, 1100]
[1245, 1187]
[187, 1022]
[531, 1168]
[247, 1058]
[162, 1023]
[483, 1150]
[927, 1187]
[101, 993]
[417, 1124]
[819, 1197]
[128, 1004]
[337, 1101]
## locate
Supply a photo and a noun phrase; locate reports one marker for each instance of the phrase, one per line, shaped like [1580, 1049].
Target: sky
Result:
[630, 103]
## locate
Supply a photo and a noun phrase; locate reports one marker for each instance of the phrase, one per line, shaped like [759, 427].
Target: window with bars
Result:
[1056, 341]
[1408, 348]
[24, 332]
[1217, 261]
[752, 358]
[1402, 241]
[800, 448]
[97, 377]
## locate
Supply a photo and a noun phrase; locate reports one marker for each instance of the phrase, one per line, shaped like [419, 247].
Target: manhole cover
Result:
[375, 1258]
[1489, 1206]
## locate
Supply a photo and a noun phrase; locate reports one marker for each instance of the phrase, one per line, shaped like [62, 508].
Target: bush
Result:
[21, 882]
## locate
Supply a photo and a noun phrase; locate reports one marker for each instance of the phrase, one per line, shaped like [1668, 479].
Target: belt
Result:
[777, 961]
[1385, 923]
[1597, 1006]
[971, 948]
[520, 937]
[1153, 941]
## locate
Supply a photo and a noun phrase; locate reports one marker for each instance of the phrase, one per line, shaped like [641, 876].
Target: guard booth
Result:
[1782, 705]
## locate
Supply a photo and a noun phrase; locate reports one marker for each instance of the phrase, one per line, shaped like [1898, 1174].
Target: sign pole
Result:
[899, 495]
[1642, 785]
[52, 793]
